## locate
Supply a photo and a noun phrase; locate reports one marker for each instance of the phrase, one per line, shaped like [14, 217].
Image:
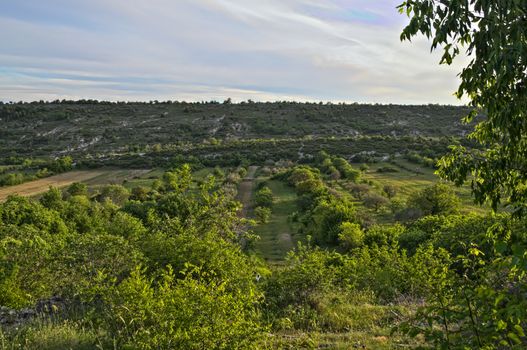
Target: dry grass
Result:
[38, 186]
[91, 177]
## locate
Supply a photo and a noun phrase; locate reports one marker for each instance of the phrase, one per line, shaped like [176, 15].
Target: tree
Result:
[346, 169]
[493, 34]
[359, 190]
[52, 199]
[333, 172]
[435, 200]
[327, 216]
[489, 302]
[61, 165]
[301, 174]
[116, 193]
[375, 201]
[178, 180]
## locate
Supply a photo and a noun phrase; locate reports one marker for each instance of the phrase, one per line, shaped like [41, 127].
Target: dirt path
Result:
[38, 186]
[245, 190]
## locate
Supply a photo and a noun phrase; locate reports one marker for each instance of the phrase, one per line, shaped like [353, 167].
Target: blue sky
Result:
[265, 50]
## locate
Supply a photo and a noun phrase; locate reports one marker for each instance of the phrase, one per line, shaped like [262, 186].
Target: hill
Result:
[79, 128]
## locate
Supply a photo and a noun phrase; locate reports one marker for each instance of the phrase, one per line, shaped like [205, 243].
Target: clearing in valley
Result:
[92, 177]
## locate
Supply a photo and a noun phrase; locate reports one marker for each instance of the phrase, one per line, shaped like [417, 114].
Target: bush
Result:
[264, 197]
[387, 169]
[263, 214]
[390, 191]
[198, 311]
[77, 189]
[351, 235]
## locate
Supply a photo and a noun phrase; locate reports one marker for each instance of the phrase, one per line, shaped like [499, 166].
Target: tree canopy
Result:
[493, 34]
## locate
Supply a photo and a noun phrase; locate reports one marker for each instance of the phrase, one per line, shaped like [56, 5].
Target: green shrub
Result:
[264, 197]
[263, 214]
[198, 311]
[351, 235]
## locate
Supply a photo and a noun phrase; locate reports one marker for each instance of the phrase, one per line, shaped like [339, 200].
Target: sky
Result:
[201, 50]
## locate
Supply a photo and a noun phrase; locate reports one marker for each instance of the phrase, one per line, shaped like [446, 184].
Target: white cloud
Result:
[203, 49]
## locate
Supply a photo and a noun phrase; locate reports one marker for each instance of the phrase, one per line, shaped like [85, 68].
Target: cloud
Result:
[213, 49]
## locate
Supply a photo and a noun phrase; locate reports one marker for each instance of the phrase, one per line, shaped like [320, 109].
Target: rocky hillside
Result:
[91, 127]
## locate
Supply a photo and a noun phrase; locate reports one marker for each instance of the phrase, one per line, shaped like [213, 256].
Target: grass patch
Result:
[116, 176]
[408, 182]
[48, 335]
[277, 237]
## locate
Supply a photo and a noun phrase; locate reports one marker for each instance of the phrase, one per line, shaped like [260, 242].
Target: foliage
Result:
[359, 190]
[117, 194]
[375, 201]
[390, 190]
[77, 189]
[435, 200]
[264, 197]
[482, 308]
[194, 311]
[493, 35]
[263, 214]
[351, 235]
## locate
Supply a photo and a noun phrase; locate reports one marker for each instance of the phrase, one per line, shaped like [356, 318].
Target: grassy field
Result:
[408, 182]
[93, 178]
[38, 186]
[277, 237]
[116, 177]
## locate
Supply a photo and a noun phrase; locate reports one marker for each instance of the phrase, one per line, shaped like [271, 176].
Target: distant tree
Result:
[359, 190]
[116, 193]
[77, 189]
[52, 199]
[310, 186]
[493, 35]
[233, 178]
[61, 165]
[390, 191]
[346, 170]
[328, 215]
[375, 201]
[435, 200]
[334, 174]
[299, 175]
[326, 165]
[396, 205]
